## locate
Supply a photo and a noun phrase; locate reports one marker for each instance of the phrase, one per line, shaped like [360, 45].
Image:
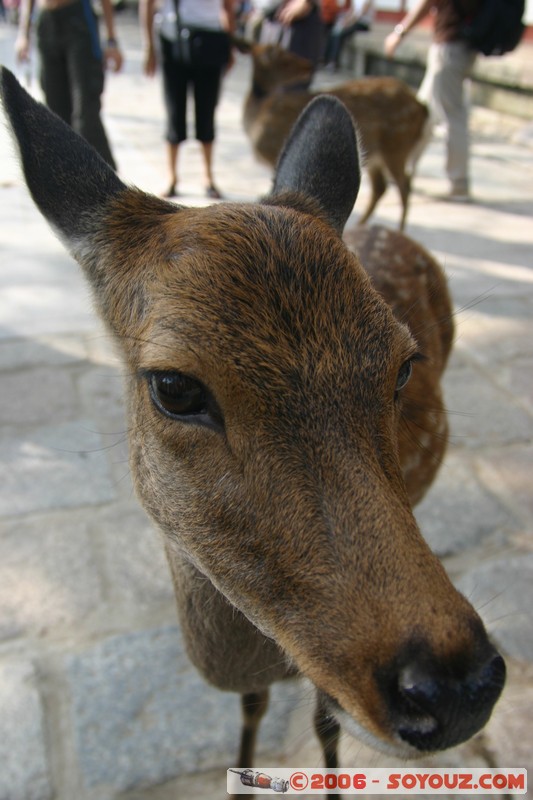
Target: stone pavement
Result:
[97, 699]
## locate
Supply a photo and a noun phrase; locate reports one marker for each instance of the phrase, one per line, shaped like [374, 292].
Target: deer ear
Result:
[69, 182]
[320, 159]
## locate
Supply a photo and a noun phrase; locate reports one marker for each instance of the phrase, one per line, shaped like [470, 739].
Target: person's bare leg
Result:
[207, 152]
[172, 163]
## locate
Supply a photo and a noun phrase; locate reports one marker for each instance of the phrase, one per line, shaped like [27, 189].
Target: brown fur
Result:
[390, 120]
[311, 446]
[414, 285]
[286, 505]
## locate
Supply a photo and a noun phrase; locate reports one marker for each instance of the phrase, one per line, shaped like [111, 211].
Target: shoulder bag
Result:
[200, 47]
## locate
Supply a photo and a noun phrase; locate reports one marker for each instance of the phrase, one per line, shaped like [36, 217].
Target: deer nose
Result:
[432, 708]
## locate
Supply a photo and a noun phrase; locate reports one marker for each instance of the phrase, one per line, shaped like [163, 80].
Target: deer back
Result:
[389, 117]
[413, 283]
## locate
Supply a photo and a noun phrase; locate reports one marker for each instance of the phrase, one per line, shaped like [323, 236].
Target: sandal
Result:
[171, 191]
[213, 192]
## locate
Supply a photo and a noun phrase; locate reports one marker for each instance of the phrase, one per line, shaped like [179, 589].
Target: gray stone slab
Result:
[24, 773]
[497, 287]
[42, 309]
[502, 590]
[134, 562]
[493, 339]
[103, 348]
[101, 390]
[516, 377]
[37, 396]
[48, 574]
[458, 513]
[202, 786]
[482, 414]
[57, 466]
[52, 351]
[142, 715]
[42, 290]
[508, 472]
[509, 735]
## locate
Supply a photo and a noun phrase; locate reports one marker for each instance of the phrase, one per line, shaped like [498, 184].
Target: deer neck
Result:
[228, 650]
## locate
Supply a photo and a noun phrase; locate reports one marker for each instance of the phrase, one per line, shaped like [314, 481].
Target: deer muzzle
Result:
[434, 705]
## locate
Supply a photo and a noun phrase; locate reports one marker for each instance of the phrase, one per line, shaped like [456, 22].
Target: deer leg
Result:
[396, 167]
[254, 705]
[378, 184]
[404, 187]
[328, 731]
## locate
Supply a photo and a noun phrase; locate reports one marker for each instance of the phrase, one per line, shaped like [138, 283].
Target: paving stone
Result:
[201, 786]
[101, 391]
[508, 473]
[509, 736]
[502, 590]
[118, 456]
[48, 575]
[512, 298]
[477, 246]
[493, 340]
[134, 561]
[482, 414]
[516, 377]
[142, 714]
[212, 785]
[52, 351]
[57, 466]
[44, 309]
[24, 771]
[487, 292]
[459, 513]
[39, 294]
[37, 396]
[102, 347]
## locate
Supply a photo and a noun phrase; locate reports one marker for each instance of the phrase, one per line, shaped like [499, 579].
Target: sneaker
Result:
[458, 197]
[459, 193]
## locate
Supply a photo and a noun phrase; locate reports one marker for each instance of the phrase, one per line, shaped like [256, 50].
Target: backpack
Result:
[496, 28]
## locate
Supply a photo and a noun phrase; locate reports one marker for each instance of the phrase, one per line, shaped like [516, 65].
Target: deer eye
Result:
[183, 398]
[404, 374]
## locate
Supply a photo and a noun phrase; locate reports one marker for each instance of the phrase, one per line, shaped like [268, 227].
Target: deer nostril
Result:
[418, 691]
[417, 700]
[432, 708]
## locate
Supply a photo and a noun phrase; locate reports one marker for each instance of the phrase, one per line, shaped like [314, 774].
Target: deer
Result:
[284, 415]
[393, 124]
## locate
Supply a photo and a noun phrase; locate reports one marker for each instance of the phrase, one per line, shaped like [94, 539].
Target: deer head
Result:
[264, 400]
[274, 68]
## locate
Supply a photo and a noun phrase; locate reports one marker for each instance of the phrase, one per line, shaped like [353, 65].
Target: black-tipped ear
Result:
[320, 159]
[67, 178]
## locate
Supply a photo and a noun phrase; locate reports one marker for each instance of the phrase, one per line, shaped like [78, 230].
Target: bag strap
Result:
[178, 21]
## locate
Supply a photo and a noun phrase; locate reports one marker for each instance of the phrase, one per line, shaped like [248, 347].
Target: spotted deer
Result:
[393, 125]
[284, 415]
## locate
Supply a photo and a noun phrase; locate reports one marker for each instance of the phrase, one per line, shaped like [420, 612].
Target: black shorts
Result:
[177, 78]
